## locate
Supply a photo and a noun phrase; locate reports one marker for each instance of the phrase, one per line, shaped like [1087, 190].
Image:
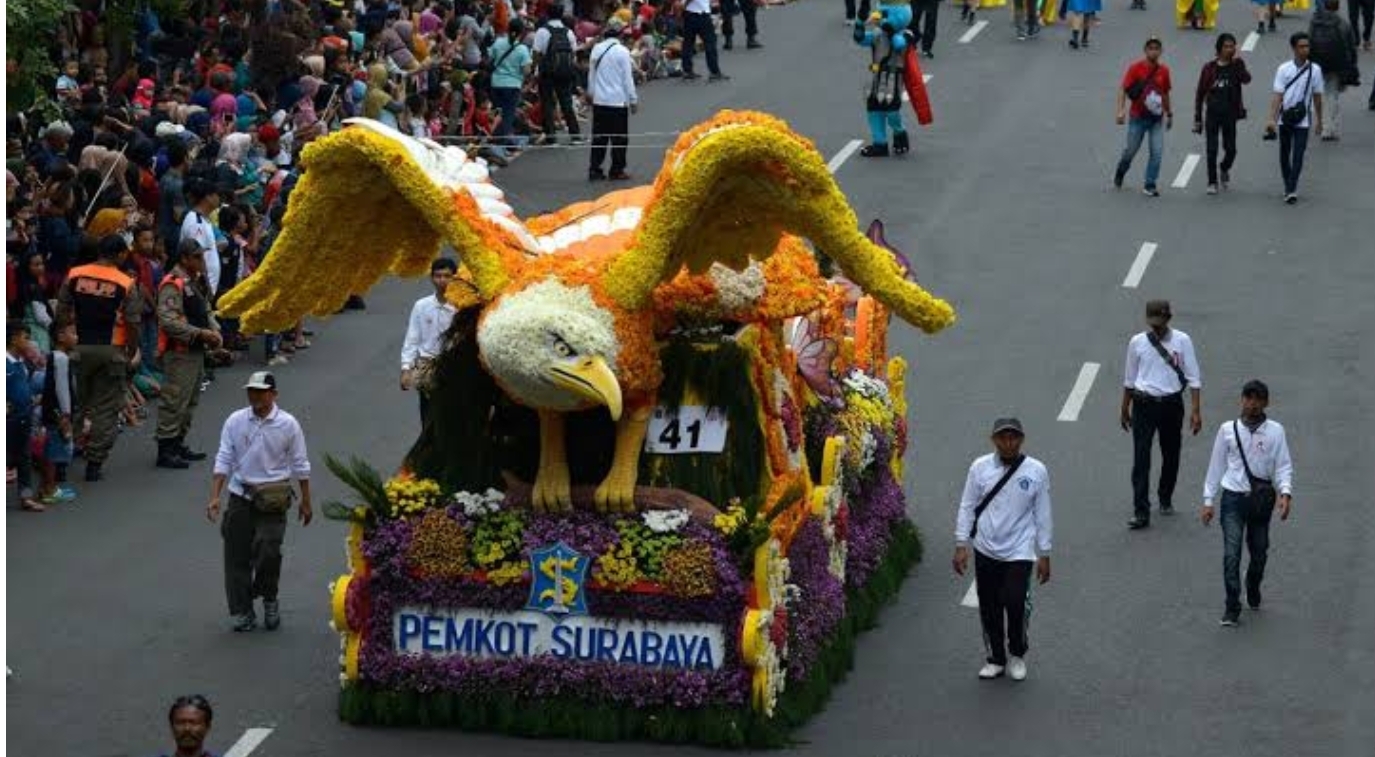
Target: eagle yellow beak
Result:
[592, 379]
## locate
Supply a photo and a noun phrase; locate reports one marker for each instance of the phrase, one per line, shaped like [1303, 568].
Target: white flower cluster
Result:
[476, 505]
[665, 521]
[866, 386]
[868, 445]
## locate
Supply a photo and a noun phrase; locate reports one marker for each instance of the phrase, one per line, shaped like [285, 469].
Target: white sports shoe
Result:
[991, 671]
[1016, 668]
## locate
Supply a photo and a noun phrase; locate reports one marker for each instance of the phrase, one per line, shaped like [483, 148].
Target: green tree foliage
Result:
[29, 33]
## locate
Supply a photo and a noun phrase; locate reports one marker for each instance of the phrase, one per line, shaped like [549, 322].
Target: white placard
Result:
[689, 430]
[471, 632]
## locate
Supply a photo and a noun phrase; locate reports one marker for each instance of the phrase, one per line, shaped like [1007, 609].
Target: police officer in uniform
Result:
[187, 330]
[104, 304]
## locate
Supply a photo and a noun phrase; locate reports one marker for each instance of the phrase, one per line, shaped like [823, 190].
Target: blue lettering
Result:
[649, 648]
[410, 627]
[673, 657]
[454, 641]
[606, 644]
[526, 631]
[628, 653]
[689, 649]
[562, 646]
[704, 656]
[434, 633]
[505, 643]
[482, 637]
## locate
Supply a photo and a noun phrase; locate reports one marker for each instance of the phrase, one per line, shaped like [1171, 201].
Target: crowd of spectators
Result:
[191, 128]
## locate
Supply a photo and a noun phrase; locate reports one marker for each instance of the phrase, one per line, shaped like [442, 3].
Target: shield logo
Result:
[559, 573]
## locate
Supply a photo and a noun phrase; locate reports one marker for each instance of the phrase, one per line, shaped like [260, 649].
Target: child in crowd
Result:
[19, 413]
[59, 389]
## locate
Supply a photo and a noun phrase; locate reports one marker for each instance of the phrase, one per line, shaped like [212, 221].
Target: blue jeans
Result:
[1137, 130]
[1293, 144]
[507, 100]
[1239, 523]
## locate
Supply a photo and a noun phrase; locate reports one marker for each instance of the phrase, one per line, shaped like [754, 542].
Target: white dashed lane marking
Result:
[1075, 401]
[1138, 269]
[973, 32]
[1186, 171]
[1250, 42]
[844, 154]
[250, 740]
[971, 597]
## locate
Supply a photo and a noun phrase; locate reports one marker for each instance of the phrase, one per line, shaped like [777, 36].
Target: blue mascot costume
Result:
[893, 70]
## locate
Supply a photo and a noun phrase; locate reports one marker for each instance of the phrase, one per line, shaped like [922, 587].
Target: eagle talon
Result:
[616, 494]
[553, 490]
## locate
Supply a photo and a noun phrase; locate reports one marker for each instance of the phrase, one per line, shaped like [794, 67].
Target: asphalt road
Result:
[115, 604]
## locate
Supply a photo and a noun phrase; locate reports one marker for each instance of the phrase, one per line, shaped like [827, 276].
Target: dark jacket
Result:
[1208, 77]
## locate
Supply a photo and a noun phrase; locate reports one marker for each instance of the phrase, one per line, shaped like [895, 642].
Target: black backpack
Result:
[558, 56]
[1328, 44]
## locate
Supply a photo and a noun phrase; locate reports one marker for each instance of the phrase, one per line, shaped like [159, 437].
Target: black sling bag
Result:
[1262, 496]
[978, 511]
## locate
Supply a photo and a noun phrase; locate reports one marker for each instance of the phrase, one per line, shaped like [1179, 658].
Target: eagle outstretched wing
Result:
[372, 201]
[729, 190]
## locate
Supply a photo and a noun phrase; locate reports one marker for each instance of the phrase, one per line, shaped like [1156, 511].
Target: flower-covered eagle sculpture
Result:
[571, 303]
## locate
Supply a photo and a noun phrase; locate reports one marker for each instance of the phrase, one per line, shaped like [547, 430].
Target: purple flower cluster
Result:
[814, 617]
[873, 516]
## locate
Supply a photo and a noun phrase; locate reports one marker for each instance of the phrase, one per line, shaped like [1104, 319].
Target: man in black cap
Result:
[1160, 365]
[1005, 515]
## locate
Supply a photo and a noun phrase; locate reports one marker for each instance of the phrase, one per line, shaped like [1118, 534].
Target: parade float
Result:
[659, 494]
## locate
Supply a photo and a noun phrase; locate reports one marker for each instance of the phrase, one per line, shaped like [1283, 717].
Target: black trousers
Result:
[252, 554]
[1004, 588]
[556, 91]
[1165, 416]
[850, 10]
[746, 8]
[610, 126]
[924, 14]
[1360, 10]
[1225, 127]
[699, 25]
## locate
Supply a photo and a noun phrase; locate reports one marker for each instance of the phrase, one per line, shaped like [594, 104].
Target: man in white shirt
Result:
[1160, 365]
[196, 225]
[1249, 450]
[430, 319]
[697, 23]
[1297, 91]
[555, 49]
[611, 88]
[262, 448]
[1005, 515]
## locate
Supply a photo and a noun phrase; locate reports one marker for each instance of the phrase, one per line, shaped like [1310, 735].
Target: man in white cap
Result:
[1005, 515]
[262, 448]
[611, 92]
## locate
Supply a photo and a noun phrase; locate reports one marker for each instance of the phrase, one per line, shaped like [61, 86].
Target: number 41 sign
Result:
[690, 429]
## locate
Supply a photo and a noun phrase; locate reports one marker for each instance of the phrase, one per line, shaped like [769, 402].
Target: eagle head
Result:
[552, 347]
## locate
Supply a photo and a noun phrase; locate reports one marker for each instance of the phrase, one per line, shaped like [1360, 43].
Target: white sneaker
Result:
[991, 671]
[1016, 668]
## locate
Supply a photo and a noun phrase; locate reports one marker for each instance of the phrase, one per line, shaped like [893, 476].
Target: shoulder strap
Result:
[1160, 349]
[978, 511]
[504, 56]
[1241, 450]
[1307, 67]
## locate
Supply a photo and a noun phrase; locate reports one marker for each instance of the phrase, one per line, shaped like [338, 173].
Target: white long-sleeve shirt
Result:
[430, 318]
[611, 80]
[1148, 372]
[257, 450]
[1017, 524]
[198, 227]
[1267, 452]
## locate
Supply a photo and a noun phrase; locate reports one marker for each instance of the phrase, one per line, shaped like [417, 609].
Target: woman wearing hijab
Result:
[378, 103]
[234, 171]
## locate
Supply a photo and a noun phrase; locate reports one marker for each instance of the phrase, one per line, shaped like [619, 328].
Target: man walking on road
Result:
[262, 448]
[431, 317]
[1250, 463]
[187, 329]
[611, 90]
[924, 14]
[1219, 88]
[1160, 365]
[555, 48]
[104, 304]
[1146, 86]
[697, 24]
[1296, 102]
[1005, 515]
[1334, 50]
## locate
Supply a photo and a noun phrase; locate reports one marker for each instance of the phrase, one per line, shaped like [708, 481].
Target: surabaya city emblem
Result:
[559, 573]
